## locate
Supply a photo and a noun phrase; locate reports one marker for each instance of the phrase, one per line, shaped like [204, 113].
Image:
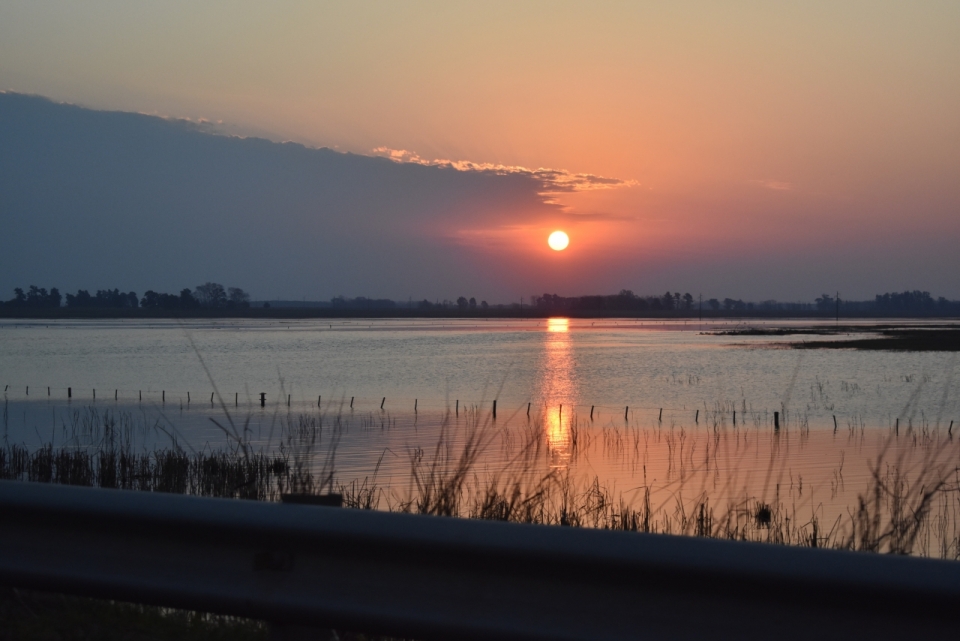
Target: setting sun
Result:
[558, 241]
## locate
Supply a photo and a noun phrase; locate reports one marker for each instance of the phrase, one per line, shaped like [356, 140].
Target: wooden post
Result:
[318, 401]
[834, 422]
[458, 407]
[288, 400]
[211, 399]
[660, 417]
[776, 420]
[626, 411]
[950, 431]
[94, 394]
[28, 390]
[414, 406]
[188, 398]
[163, 396]
[494, 409]
[236, 399]
[528, 410]
[140, 393]
[561, 411]
[734, 418]
[116, 392]
[351, 402]
[896, 428]
[591, 412]
[48, 391]
[696, 418]
[383, 401]
[263, 399]
[69, 392]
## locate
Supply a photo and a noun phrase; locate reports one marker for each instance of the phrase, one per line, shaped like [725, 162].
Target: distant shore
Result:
[891, 337]
[68, 313]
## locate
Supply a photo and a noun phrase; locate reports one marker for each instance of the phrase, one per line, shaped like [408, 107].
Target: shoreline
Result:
[66, 313]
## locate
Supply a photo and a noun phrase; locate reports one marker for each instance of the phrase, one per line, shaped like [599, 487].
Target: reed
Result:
[904, 508]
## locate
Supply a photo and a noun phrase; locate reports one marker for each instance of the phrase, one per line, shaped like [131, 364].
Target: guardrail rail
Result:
[432, 577]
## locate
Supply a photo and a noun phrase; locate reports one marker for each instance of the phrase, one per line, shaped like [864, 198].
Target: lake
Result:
[633, 405]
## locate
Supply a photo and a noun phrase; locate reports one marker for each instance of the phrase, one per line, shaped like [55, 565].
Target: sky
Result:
[751, 150]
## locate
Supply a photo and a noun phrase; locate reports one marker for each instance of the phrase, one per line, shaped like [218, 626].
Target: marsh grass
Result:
[907, 506]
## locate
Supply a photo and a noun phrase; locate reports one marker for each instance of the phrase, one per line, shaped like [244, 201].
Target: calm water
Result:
[662, 396]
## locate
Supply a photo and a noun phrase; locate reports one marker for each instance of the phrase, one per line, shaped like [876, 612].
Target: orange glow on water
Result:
[558, 388]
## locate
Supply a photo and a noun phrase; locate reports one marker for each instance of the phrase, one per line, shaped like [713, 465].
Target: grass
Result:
[906, 506]
[27, 614]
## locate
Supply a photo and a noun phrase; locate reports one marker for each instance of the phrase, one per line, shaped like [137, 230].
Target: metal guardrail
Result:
[431, 577]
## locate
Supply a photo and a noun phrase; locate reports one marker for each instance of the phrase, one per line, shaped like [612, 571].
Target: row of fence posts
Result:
[263, 403]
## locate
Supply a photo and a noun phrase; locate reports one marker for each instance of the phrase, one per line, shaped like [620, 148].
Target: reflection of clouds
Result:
[558, 388]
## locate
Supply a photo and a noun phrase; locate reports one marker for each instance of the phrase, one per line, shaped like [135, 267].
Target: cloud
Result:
[599, 216]
[96, 199]
[552, 180]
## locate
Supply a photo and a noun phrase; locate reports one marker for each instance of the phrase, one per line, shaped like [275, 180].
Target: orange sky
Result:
[748, 136]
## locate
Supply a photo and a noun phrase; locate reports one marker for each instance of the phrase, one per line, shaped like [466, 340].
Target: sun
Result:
[558, 241]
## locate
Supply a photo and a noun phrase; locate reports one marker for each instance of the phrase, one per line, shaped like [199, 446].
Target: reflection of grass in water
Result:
[905, 507]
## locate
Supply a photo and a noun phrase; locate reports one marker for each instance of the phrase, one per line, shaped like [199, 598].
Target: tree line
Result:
[627, 301]
[208, 295]
[215, 296]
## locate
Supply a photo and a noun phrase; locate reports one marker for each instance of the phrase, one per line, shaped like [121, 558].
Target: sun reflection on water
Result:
[558, 390]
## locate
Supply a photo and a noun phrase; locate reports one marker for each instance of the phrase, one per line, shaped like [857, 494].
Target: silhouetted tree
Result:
[473, 303]
[905, 301]
[825, 303]
[35, 297]
[463, 303]
[187, 301]
[110, 298]
[236, 297]
[211, 295]
[714, 304]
